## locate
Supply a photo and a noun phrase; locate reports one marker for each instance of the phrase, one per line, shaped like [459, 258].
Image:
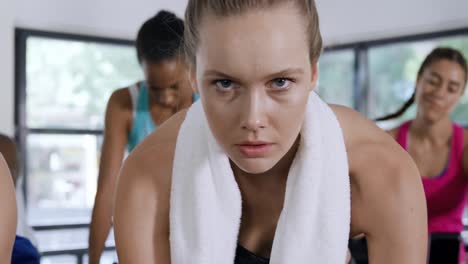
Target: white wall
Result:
[6, 67]
[356, 20]
[110, 18]
[341, 22]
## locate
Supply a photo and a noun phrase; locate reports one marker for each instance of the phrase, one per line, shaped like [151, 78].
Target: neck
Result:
[435, 132]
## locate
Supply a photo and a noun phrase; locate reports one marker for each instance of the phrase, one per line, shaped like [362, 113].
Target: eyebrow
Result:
[436, 75]
[153, 87]
[288, 71]
[172, 86]
[451, 82]
[458, 84]
[218, 74]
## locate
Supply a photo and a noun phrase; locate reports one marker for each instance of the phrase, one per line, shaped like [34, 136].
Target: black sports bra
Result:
[243, 256]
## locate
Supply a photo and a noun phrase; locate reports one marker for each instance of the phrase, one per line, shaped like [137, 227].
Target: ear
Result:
[314, 76]
[193, 78]
[419, 79]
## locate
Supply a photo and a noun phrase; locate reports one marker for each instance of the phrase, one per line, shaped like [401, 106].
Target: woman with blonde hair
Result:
[261, 170]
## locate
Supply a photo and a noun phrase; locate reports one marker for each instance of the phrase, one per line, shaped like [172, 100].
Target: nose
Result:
[167, 96]
[253, 118]
[441, 91]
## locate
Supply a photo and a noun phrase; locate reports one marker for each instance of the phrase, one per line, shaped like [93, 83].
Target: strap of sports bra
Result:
[134, 89]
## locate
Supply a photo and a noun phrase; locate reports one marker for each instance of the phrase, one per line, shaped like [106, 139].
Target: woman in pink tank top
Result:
[437, 144]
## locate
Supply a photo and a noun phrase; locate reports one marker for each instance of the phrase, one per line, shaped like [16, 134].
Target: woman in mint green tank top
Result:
[143, 123]
[134, 112]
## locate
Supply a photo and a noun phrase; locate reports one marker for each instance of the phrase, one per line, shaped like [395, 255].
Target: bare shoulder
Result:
[6, 143]
[119, 113]
[153, 157]
[465, 151]
[121, 98]
[357, 129]
[383, 176]
[143, 197]
[393, 132]
[4, 172]
[6, 140]
[465, 138]
[8, 150]
[363, 137]
[8, 212]
[465, 142]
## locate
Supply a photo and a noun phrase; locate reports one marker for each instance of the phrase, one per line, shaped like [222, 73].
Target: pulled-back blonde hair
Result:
[196, 9]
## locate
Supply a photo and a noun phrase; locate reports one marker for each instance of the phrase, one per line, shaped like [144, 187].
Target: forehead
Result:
[257, 40]
[165, 72]
[447, 69]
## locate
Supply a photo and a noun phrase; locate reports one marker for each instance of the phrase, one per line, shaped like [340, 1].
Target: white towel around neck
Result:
[205, 203]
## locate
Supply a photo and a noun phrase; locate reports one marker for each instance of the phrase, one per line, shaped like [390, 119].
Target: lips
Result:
[432, 102]
[254, 149]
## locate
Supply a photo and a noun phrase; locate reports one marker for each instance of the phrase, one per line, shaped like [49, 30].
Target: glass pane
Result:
[69, 82]
[108, 257]
[67, 239]
[335, 64]
[62, 177]
[393, 70]
[66, 259]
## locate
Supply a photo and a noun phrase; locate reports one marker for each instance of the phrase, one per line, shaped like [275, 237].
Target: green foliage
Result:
[70, 80]
[336, 77]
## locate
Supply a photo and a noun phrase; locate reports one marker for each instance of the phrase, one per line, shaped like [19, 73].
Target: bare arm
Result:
[113, 149]
[142, 203]
[141, 217]
[388, 203]
[7, 213]
[8, 150]
[465, 152]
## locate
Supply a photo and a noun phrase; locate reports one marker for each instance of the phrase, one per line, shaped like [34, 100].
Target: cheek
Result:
[150, 76]
[425, 88]
[420, 91]
[221, 119]
[290, 107]
[185, 90]
[288, 121]
[453, 101]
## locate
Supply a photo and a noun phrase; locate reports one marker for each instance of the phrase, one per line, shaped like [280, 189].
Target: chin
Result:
[255, 166]
[432, 117]
[169, 104]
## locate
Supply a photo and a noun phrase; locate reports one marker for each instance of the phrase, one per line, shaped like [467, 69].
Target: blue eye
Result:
[224, 84]
[281, 83]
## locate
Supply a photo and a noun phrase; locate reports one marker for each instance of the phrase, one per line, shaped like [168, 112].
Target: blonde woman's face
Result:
[254, 76]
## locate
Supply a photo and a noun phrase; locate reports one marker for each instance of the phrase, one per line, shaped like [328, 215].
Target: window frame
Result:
[361, 87]
[22, 131]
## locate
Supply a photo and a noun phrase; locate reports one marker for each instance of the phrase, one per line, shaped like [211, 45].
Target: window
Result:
[62, 177]
[63, 84]
[72, 80]
[392, 74]
[332, 89]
